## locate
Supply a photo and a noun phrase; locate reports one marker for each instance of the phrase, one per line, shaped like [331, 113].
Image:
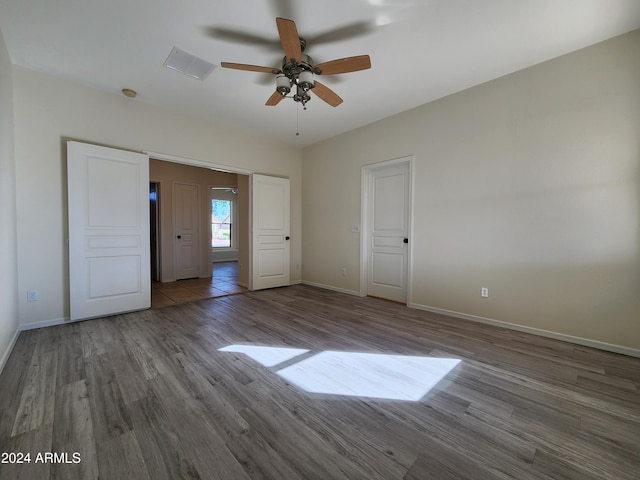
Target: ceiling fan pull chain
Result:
[297, 119]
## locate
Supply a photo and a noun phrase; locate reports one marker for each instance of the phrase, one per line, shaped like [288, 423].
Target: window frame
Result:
[224, 194]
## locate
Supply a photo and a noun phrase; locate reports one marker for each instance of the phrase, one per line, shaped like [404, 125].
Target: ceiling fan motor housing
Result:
[302, 96]
[299, 73]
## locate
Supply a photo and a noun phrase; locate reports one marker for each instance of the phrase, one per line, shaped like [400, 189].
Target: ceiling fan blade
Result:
[289, 39]
[250, 68]
[355, 29]
[326, 94]
[274, 99]
[343, 65]
[237, 36]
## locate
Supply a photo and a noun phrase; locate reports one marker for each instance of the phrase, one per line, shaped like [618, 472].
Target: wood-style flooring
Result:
[150, 395]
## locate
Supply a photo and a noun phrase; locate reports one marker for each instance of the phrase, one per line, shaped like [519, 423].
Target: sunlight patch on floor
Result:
[393, 377]
[371, 375]
[267, 356]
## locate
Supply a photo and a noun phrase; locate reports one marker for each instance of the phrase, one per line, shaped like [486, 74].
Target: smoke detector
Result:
[127, 92]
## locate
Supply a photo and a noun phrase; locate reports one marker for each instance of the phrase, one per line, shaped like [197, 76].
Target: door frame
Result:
[221, 168]
[366, 172]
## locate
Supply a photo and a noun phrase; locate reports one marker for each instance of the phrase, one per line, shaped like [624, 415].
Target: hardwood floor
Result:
[151, 395]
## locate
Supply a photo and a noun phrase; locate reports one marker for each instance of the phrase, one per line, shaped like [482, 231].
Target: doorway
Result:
[247, 183]
[183, 232]
[386, 218]
[154, 230]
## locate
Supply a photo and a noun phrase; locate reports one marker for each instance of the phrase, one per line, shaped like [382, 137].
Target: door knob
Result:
[406, 240]
[179, 236]
[287, 237]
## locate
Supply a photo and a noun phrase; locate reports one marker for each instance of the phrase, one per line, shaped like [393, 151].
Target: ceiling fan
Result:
[298, 70]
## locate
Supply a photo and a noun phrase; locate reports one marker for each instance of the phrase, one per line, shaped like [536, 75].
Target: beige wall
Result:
[166, 173]
[49, 110]
[8, 245]
[528, 185]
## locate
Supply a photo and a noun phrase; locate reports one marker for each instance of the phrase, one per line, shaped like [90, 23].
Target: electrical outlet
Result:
[32, 296]
[484, 292]
[344, 272]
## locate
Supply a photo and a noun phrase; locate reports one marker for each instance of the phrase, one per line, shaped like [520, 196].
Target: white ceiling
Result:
[420, 50]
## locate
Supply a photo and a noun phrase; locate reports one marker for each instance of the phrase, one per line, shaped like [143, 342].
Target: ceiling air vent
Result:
[188, 64]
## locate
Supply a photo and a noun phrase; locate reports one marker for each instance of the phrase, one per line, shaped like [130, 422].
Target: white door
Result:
[388, 231]
[270, 205]
[108, 203]
[186, 222]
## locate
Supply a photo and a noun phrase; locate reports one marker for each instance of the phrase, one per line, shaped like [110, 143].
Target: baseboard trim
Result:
[7, 353]
[329, 287]
[44, 323]
[609, 347]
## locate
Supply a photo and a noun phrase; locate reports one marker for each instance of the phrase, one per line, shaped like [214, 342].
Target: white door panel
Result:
[111, 276]
[388, 270]
[389, 203]
[388, 229]
[271, 206]
[108, 207]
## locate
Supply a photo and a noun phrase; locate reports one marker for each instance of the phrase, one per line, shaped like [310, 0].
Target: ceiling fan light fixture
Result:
[302, 96]
[283, 84]
[305, 80]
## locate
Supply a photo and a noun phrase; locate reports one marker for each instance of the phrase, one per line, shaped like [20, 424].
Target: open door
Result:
[271, 210]
[109, 247]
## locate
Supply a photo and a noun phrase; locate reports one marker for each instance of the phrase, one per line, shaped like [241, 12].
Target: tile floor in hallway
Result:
[224, 281]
